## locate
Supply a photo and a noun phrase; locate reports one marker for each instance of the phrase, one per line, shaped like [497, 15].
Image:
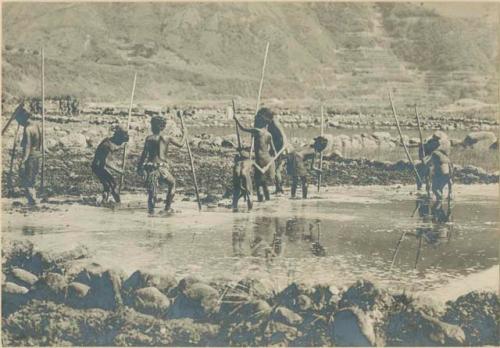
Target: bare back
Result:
[32, 138]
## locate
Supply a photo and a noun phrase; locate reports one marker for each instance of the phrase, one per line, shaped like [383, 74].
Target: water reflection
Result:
[435, 227]
[267, 237]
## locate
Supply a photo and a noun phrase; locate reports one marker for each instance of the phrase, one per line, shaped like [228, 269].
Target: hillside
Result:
[341, 52]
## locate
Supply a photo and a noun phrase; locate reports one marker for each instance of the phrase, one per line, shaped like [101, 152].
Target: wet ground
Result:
[382, 233]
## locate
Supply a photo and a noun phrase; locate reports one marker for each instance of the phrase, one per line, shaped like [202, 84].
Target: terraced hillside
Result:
[343, 53]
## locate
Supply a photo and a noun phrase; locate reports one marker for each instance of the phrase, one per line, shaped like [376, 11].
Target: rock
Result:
[351, 327]
[482, 138]
[142, 279]
[197, 301]
[287, 316]
[382, 136]
[277, 333]
[217, 141]
[151, 301]
[494, 146]
[412, 327]
[477, 313]
[289, 297]
[75, 140]
[76, 295]
[365, 295]
[13, 296]
[105, 287]
[24, 278]
[50, 287]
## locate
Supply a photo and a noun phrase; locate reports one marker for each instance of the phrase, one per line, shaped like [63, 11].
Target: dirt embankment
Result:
[71, 142]
[46, 300]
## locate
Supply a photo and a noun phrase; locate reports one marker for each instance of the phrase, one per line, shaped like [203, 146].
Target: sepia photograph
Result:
[250, 174]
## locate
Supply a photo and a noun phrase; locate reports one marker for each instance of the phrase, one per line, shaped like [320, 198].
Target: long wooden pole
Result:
[4, 129]
[42, 184]
[237, 130]
[402, 140]
[122, 176]
[321, 154]
[12, 156]
[191, 161]
[260, 92]
[422, 149]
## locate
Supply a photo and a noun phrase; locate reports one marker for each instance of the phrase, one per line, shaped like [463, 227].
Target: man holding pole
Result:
[32, 153]
[100, 166]
[153, 162]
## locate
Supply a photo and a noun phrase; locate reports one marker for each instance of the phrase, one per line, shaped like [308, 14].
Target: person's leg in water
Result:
[438, 184]
[266, 191]
[169, 179]
[303, 180]
[236, 185]
[259, 184]
[104, 182]
[29, 175]
[152, 188]
[278, 177]
[295, 183]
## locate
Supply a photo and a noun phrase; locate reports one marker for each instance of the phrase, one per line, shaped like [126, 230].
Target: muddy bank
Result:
[46, 301]
[68, 172]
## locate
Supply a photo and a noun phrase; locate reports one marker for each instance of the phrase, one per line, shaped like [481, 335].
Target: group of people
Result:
[270, 146]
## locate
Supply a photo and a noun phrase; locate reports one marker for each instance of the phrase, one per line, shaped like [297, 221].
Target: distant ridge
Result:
[347, 53]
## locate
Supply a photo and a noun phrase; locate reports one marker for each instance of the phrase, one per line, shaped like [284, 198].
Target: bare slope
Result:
[336, 51]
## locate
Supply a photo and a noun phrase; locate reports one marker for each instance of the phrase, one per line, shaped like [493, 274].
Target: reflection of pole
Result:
[397, 249]
[260, 91]
[418, 250]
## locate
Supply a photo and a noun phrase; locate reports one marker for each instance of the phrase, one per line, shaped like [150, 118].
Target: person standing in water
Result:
[100, 165]
[265, 117]
[263, 148]
[153, 161]
[31, 145]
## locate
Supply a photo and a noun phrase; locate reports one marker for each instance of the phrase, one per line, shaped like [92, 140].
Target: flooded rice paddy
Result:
[384, 234]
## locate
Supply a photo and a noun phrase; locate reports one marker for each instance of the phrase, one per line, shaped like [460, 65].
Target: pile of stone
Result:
[45, 298]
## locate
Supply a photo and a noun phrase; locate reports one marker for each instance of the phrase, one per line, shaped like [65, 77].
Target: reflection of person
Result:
[32, 153]
[438, 219]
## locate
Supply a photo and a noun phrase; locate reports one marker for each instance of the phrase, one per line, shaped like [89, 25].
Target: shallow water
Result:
[362, 232]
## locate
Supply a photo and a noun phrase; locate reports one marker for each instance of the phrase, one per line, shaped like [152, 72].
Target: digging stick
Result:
[402, 140]
[260, 92]
[122, 176]
[42, 182]
[321, 154]
[12, 156]
[191, 161]
[237, 130]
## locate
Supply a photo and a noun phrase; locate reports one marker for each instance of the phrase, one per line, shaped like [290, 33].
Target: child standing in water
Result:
[153, 161]
[100, 165]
